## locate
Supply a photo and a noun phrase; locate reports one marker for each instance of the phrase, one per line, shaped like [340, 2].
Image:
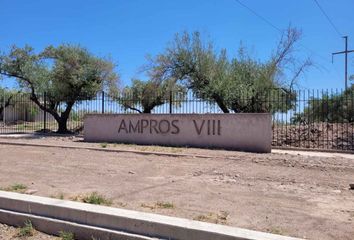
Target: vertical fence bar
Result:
[102, 102]
[171, 99]
[4, 110]
[320, 119]
[45, 112]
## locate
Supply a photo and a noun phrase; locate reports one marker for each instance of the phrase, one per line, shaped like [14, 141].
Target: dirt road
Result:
[295, 195]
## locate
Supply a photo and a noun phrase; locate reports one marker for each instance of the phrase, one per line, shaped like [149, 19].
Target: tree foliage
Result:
[66, 73]
[239, 84]
[144, 96]
[12, 98]
[331, 107]
[6, 99]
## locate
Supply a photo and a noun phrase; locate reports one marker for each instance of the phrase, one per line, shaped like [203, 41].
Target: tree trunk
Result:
[62, 125]
[63, 119]
[147, 110]
[221, 104]
[7, 103]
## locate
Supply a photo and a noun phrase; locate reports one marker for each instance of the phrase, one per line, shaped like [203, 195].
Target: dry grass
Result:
[17, 187]
[218, 218]
[158, 205]
[27, 230]
[93, 198]
[66, 235]
[150, 148]
[276, 230]
[58, 196]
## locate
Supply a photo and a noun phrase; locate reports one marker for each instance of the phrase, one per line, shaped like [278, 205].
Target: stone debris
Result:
[338, 136]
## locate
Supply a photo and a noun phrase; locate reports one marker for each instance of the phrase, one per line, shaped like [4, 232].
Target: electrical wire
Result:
[328, 18]
[280, 31]
[259, 16]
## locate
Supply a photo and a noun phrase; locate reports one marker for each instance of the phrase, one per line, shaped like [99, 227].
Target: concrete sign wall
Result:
[245, 131]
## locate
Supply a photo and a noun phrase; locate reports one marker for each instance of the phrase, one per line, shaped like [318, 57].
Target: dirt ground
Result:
[11, 233]
[300, 195]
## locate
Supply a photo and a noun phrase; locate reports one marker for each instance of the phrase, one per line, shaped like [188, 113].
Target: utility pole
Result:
[346, 51]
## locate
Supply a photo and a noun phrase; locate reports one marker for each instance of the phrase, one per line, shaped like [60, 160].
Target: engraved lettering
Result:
[208, 127]
[164, 126]
[153, 125]
[122, 126]
[198, 129]
[134, 128]
[144, 124]
[174, 124]
[213, 127]
[219, 127]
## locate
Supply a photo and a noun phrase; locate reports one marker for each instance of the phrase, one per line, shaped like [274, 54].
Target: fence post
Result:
[102, 102]
[45, 112]
[171, 99]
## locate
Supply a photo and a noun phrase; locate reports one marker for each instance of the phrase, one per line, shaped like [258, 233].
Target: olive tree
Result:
[6, 98]
[144, 96]
[330, 107]
[239, 84]
[66, 73]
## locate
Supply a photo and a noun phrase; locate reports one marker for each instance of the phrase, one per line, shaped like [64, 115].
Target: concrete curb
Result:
[54, 226]
[52, 215]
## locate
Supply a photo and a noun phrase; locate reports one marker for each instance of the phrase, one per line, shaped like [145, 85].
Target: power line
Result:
[281, 32]
[278, 29]
[259, 16]
[328, 18]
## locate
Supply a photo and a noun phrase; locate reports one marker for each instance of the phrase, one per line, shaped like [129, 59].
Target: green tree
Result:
[331, 107]
[144, 96]
[239, 84]
[6, 99]
[66, 73]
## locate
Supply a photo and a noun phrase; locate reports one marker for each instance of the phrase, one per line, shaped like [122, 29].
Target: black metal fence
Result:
[319, 119]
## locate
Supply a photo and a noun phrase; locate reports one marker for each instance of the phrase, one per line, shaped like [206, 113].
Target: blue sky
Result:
[129, 30]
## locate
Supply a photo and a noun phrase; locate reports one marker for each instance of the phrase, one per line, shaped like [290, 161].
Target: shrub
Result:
[95, 198]
[27, 230]
[66, 235]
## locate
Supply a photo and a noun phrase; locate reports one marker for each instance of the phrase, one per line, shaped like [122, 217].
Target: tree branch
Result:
[132, 108]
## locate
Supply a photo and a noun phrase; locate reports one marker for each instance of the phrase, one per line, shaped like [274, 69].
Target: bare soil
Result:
[301, 195]
[335, 136]
[11, 233]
